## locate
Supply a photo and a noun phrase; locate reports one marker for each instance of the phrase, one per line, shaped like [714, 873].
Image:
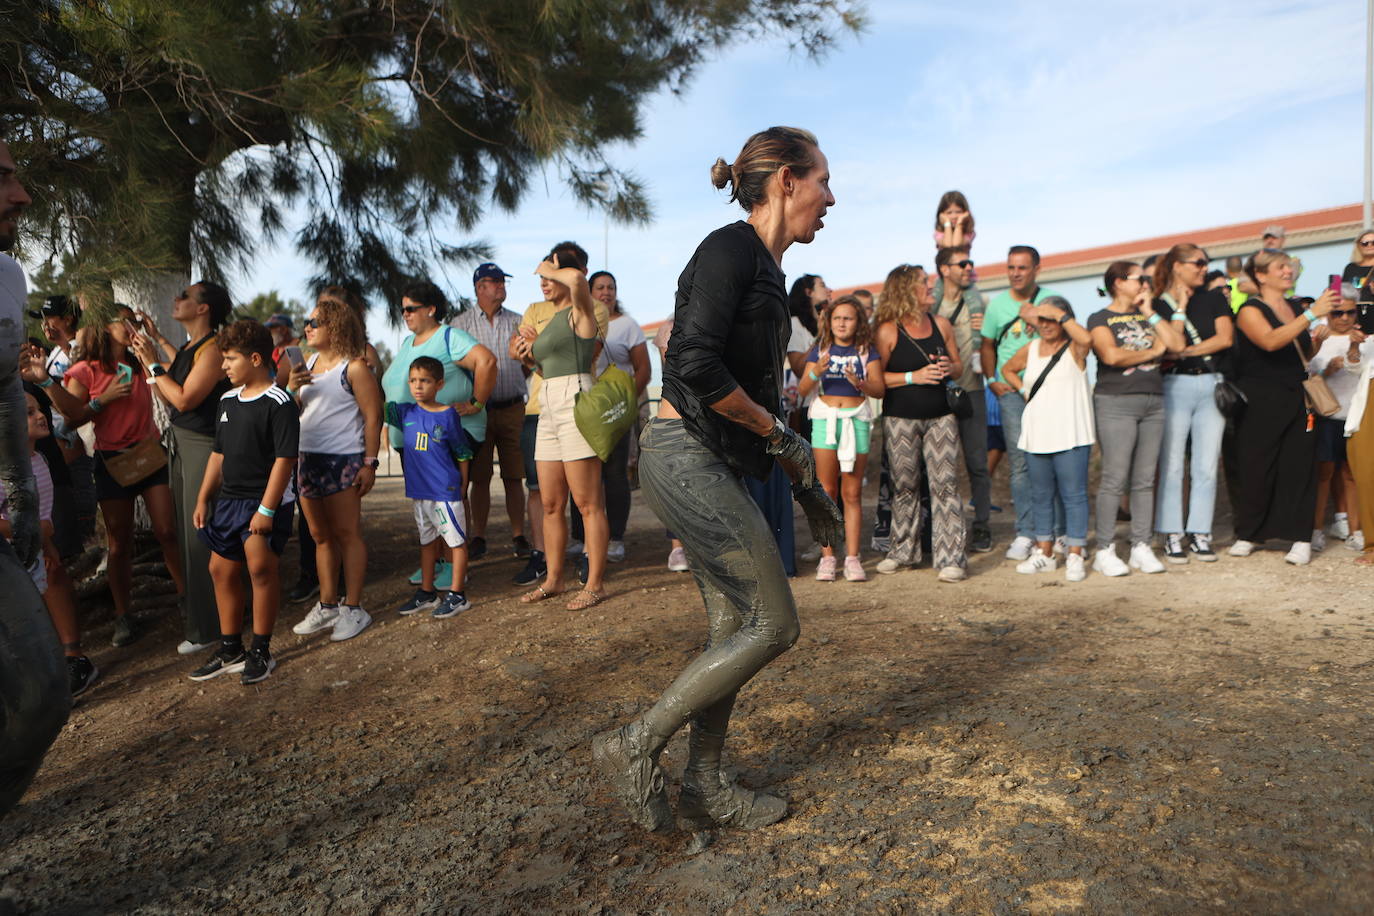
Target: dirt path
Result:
[1191, 742]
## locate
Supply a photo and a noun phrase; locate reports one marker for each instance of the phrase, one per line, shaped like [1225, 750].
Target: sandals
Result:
[585, 599]
[539, 594]
[1365, 559]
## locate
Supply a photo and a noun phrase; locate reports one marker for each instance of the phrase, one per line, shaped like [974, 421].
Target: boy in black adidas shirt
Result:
[249, 480]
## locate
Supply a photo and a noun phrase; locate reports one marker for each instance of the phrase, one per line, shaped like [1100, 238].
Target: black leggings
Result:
[749, 609]
[615, 483]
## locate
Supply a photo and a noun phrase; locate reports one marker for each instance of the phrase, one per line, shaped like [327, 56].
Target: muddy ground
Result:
[1197, 741]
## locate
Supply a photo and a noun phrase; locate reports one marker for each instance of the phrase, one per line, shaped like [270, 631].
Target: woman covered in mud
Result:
[718, 421]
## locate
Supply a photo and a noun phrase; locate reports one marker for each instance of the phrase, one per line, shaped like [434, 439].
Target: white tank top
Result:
[331, 423]
[1061, 416]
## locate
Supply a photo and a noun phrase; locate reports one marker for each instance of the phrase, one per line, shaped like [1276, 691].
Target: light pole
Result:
[1369, 117]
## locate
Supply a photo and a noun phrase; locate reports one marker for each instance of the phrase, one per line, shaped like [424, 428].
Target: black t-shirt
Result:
[730, 330]
[1203, 309]
[200, 418]
[1132, 332]
[252, 435]
[1361, 279]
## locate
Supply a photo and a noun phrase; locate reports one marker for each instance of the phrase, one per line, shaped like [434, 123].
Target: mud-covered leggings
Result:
[735, 560]
[34, 697]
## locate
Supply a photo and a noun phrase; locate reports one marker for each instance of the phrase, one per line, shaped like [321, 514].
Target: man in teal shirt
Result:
[1008, 325]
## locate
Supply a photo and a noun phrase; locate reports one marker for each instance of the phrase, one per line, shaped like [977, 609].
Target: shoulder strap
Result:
[915, 343]
[1058, 355]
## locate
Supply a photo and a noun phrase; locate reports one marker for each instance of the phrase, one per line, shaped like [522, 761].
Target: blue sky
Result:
[1067, 125]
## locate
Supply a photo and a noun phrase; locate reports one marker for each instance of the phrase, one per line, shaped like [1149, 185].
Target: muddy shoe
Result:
[730, 805]
[635, 778]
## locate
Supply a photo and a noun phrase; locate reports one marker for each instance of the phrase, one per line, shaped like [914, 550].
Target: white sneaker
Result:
[1318, 540]
[574, 548]
[952, 574]
[1037, 563]
[1061, 545]
[1356, 540]
[887, 567]
[1144, 559]
[1241, 549]
[615, 551]
[1339, 528]
[1074, 570]
[1020, 548]
[1300, 554]
[186, 647]
[677, 560]
[352, 621]
[319, 618]
[1108, 563]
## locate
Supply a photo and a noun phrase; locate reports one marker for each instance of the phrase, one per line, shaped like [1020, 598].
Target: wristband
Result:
[476, 403]
[263, 510]
[1153, 320]
[1310, 316]
[908, 379]
[47, 382]
[812, 375]
[1178, 316]
[94, 405]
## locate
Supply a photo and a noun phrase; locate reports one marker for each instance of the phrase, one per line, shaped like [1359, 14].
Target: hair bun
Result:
[721, 174]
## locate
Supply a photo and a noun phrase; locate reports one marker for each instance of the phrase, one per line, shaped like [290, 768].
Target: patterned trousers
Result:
[938, 440]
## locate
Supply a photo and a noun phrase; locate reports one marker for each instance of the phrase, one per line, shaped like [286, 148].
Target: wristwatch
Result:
[1064, 318]
[475, 403]
[157, 369]
[372, 462]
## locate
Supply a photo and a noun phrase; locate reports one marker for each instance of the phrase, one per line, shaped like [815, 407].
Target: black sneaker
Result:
[477, 548]
[535, 569]
[583, 570]
[1200, 546]
[1173, 549]
[521, 546]
[80, 674]
[303, 590]
[125, 633]
[257, 666]
[980, 539]
[224, 661]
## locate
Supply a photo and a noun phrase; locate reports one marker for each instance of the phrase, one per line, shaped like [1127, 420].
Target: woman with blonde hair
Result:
[920, 356]
[341, 422]
[1278, 476]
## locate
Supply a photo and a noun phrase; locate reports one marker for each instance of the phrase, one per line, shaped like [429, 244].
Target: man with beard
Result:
[34, 700]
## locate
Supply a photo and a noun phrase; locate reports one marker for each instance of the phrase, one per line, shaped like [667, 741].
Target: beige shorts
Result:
[558, 438]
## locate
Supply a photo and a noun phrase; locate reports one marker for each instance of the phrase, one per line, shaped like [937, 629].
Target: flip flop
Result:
[585, 599]
[539, 594]
[1365, 559]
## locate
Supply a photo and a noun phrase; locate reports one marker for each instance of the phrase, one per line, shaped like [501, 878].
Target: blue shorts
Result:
[1330, 440]
[997, 441]
[227, 528]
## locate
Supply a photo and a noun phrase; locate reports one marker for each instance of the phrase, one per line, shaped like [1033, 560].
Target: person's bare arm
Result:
[1104, 345]
[1012, 368]
[956, 365]
[987, 355]
[209, 486]
[482, 364]
[368, 393]
[1223, 336]
[639, 361]
[1253, 325]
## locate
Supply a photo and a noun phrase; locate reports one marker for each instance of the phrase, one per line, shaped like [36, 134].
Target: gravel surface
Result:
[1197, 741]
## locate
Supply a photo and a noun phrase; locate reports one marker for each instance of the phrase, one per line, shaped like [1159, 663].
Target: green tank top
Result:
[559, 351]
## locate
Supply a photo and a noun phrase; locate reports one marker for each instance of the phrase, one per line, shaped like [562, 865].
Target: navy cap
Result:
[57, 307]
[488, 271]
[280, 320]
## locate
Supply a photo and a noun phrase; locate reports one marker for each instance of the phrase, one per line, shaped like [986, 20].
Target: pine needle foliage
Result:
[155, 135]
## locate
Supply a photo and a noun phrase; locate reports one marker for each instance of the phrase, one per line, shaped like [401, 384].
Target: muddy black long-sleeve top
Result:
[730, 329]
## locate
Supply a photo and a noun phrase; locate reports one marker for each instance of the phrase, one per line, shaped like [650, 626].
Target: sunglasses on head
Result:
[312, 322]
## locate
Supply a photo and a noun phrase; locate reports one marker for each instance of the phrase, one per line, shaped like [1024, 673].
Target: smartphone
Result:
[1364, 317]
[1333, 283]
[294, 356]
[124, 374]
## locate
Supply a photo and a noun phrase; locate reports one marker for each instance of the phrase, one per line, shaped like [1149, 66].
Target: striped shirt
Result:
[42, 478]
[495, 335]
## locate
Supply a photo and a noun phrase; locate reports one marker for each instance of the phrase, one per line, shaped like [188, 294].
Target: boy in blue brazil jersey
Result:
[435, 452]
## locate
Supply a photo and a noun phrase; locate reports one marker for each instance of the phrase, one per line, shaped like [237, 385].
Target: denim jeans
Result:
[1129, 430]
[1190, 410]
[1063, 476]
[1013, 405]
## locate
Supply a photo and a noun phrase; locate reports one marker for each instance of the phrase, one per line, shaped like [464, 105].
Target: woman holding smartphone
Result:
[107, 389]
[190, 385]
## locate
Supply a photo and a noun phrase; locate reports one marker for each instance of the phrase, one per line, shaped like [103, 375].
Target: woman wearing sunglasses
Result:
[423, 309]
[1203, 317]
[1360, 271]
[1334, 476]
[1130, 338]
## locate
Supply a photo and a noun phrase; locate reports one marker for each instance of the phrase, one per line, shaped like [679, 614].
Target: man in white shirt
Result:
[494, 325]
[34, 696]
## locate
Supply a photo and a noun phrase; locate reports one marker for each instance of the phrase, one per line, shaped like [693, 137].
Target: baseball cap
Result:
[1276, 231]
[280, 320]
[488, 271]
[56, 307]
